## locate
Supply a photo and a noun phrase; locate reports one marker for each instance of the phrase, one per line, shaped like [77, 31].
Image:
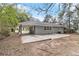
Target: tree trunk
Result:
[69, 30]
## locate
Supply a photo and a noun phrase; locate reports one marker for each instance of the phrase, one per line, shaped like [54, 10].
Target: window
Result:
[47, 28]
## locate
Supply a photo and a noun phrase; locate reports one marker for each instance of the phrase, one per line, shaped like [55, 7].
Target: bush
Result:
[72, 31]
[4, 33]
[1, 37]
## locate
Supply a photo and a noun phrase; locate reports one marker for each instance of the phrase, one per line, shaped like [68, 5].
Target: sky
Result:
[32, 7]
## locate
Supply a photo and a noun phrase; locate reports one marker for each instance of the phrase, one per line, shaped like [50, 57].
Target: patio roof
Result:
[37, 23]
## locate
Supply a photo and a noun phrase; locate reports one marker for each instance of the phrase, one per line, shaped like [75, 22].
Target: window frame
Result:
[47, 28]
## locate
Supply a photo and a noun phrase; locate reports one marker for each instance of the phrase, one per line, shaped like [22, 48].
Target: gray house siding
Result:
[58, 29]
[43, 27]
[40, 30]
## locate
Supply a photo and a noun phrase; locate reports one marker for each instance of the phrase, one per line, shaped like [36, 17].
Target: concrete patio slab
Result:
[34, 38]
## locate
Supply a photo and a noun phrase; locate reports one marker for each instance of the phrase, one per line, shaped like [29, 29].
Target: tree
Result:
[8, 19]
[76, 21]
[60, 17]
[47, 18]
[22, 17]
[50, 19]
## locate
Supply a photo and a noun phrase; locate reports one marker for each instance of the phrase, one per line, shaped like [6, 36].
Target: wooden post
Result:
[20, 29]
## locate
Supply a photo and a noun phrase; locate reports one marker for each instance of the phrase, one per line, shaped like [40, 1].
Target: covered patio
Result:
[27, 27]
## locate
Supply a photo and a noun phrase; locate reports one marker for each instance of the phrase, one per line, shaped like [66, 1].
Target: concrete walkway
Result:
[34, 38]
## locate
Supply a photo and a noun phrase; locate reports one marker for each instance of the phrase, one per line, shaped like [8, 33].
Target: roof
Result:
[36, 23]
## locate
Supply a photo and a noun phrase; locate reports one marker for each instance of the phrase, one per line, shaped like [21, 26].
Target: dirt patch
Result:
[63, 46]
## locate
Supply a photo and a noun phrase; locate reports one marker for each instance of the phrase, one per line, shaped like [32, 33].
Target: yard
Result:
[62, 46]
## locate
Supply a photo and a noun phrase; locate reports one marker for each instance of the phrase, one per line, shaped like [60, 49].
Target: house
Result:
[36, 27]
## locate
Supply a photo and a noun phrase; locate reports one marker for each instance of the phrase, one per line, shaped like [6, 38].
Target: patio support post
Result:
[20, 29]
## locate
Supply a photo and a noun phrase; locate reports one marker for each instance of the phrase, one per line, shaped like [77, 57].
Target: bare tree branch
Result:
[47, 9]
[77, 8]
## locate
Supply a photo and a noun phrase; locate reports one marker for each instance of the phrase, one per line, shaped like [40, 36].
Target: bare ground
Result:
[67, 46]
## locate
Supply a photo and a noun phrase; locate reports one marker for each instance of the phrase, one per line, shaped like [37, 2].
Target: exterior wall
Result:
[40, 30]
[57, 30]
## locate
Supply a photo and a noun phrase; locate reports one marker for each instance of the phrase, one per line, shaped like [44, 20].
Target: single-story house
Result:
[37, 27]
